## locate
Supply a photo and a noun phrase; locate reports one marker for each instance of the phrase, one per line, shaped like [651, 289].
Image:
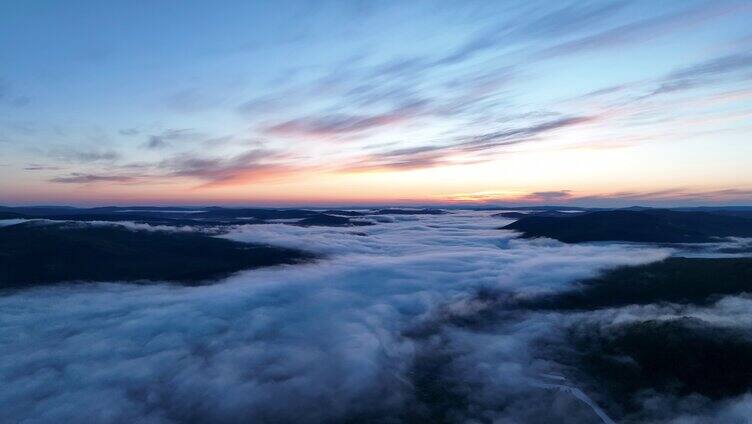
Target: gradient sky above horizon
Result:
[376, 102]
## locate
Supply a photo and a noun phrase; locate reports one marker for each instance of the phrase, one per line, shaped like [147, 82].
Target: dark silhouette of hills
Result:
[212, 216]
[32, 253]
[511, 215]
[40, 210]
[139, 217]
[618, 360]
[630, 224]
[541, 212]
[678, 356]
[528, 208]
[262, 214]
[676, 280]
[343, 212]
[394, 211]
[650, 225]
[10, 215]
[331, 221]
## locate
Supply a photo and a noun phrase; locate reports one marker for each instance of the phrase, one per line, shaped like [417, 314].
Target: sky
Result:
[604, 103]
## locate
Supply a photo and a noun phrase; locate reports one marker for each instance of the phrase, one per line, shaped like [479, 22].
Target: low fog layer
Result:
[400, 322]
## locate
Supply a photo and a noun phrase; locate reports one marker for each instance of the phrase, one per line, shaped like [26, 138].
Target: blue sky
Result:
[376, 102]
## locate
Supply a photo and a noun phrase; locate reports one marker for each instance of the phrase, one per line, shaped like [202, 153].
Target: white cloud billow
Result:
[299, 343]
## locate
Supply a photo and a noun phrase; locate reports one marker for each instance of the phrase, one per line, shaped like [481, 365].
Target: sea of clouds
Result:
[391, 326]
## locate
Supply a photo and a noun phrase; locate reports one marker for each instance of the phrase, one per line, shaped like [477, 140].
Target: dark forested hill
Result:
[36, 253]
[652, 225]
[677, 280]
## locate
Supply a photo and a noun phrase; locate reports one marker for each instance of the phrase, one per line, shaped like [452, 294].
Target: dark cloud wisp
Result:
[80, 178]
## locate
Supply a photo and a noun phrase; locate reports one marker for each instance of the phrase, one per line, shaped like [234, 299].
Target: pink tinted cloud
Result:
[335, 125]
